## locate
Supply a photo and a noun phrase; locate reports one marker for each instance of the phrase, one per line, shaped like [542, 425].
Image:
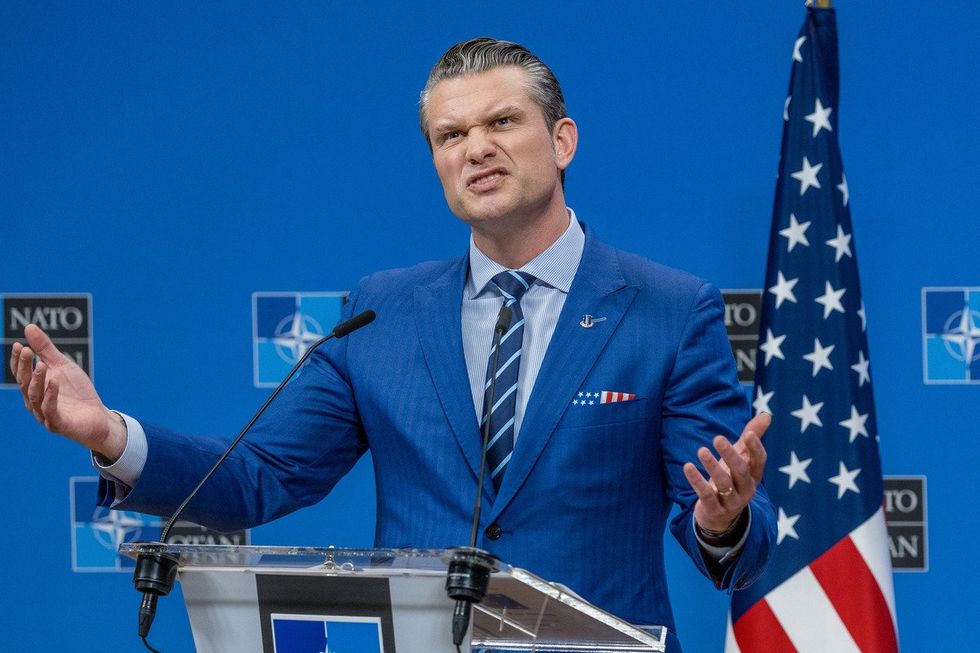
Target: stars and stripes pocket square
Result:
[600, 397]
[594, 408]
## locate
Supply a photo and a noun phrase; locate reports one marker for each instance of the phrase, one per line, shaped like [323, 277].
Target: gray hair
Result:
[483, 54]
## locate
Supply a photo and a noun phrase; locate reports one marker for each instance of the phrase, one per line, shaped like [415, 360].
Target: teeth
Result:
[489, 177]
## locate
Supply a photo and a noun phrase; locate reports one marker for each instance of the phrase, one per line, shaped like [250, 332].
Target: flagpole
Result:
[821, 4]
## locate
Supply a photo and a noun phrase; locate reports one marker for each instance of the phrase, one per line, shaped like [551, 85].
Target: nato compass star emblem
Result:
[962, 336]
[114, 527]
[951, 335]
[285, 325]
[97, 532]
[295, 334]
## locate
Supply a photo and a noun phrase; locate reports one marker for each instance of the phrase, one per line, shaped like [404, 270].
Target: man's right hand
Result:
[62, 398]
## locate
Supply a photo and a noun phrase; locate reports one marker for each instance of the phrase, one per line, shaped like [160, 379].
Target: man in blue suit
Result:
[616, 377]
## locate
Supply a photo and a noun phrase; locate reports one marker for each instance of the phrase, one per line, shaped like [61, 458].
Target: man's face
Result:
[496, 158]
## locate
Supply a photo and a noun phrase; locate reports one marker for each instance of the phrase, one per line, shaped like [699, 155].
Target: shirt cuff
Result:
[723, 554]
[127, 469]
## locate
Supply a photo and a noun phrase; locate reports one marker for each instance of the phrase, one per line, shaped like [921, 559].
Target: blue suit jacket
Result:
[587, 493]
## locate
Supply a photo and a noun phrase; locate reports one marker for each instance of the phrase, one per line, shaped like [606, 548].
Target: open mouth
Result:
[485, 180]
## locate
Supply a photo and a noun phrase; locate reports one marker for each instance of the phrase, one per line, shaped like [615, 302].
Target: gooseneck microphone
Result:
[156, 570]
[470, 567]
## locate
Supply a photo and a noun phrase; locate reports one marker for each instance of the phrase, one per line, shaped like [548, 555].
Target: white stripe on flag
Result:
[871, 540]
[808, 617]
[731, 645]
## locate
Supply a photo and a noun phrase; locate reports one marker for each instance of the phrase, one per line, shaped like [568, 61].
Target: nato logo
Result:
[66, 318]
[951, 335]
[284, 325]
[302, 633]
[97, 532]
[743, 310]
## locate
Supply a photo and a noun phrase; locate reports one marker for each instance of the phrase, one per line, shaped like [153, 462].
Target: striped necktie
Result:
[512, 285]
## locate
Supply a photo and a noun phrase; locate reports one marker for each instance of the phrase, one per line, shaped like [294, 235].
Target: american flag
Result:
[829, 587]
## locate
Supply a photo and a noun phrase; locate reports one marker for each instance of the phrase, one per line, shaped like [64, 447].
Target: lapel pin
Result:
[588, 321]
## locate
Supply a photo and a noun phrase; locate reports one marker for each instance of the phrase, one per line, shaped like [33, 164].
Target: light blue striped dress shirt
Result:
[554, 270]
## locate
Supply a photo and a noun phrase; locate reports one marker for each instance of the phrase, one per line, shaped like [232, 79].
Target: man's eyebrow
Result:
[445, 124]
[505, 110]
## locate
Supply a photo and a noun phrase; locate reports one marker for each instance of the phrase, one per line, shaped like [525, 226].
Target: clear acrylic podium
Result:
[244, 598]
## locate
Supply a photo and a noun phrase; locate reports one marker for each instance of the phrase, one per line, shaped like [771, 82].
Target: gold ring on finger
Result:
[726, 492]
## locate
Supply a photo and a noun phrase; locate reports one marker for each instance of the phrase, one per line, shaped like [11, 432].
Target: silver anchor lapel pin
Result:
[588, 321]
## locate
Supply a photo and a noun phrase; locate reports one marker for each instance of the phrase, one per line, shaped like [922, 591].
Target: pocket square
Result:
[601, 397]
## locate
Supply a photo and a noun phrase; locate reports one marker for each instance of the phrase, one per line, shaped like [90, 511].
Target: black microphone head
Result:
[503, 319]
[353, 324]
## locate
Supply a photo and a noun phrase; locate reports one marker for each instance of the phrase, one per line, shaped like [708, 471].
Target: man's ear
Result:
[565, 139]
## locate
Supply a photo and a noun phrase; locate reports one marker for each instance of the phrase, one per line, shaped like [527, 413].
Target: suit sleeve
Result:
[703, 399]
[309, 437]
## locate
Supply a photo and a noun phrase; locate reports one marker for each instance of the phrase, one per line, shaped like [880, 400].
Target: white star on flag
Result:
[807, 414]
[783, 290]
[845, 480]
[771, 346]
[795, 233]
[864, 317]
[820, 356]
[789, 98]
[831, 300]
[841, 244]
[842, 187]
[796, 469]
[861, 367]
[761, 403]
[807, 175]
[797, 55]
[820, 118]
[785, 526]
[855, 424]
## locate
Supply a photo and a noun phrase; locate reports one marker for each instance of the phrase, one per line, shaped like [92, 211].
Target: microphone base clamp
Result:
[154, 576]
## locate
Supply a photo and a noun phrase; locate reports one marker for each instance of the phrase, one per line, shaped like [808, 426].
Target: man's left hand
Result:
[732, 478]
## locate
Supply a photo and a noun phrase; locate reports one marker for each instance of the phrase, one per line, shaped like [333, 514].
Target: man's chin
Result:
[484, 213]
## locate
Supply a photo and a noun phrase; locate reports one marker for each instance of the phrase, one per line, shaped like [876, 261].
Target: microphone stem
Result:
[155, 572]
[463, 609]
[180, 509]
[478, 504]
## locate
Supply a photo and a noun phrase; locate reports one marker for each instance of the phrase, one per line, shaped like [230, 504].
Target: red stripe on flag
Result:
[845, 578]
[759, 631]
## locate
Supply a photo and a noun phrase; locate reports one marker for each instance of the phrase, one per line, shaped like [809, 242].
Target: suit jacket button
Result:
[493, 532]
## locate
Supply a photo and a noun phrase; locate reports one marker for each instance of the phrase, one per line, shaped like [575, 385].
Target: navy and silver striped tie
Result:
[512, 285]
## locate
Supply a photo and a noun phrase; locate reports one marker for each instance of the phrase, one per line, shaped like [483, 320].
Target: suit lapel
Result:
[598, 290]
[437, 317]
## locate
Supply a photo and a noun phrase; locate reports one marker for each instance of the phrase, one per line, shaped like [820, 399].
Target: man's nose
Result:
[479, 146]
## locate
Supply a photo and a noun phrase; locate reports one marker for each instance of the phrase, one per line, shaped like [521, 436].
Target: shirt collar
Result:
[555, 266]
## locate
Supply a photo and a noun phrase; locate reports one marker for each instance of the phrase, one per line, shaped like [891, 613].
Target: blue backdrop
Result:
[173, 158]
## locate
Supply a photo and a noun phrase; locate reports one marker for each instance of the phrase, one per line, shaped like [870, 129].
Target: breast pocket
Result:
[589, 411]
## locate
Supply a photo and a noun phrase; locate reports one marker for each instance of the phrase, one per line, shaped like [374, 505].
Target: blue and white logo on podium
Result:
[97, 532]
[951, 335]
[285, 325]
[302, 633]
